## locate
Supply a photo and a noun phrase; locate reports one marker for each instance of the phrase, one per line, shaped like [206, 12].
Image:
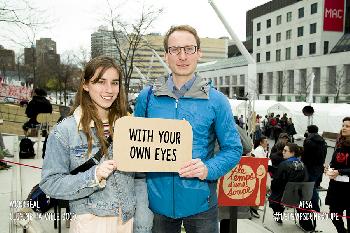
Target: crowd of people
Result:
[289, 162]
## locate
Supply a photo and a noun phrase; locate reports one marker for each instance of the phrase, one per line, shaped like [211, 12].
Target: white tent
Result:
[328, 117]
[237, 106]
[240, 107]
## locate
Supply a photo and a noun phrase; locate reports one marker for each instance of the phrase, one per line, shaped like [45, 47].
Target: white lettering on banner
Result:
[333, 13]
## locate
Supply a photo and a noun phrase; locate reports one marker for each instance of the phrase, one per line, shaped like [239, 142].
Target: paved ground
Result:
[17, 182]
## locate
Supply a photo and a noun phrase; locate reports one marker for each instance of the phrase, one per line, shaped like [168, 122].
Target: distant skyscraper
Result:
[29, 56]
[7, 60]
[46, 52]
[103, 43]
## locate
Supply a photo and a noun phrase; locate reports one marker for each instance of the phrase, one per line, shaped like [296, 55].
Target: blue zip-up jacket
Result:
[209, 113]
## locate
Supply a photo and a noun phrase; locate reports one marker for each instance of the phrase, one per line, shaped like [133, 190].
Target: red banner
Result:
[245, 185]
[333, 19]
[16, 92]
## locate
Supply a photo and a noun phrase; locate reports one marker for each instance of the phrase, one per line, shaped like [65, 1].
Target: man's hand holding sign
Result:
[194, 168]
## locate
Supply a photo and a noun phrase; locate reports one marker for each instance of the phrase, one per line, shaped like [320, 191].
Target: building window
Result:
[227, 80]
[289, 16]
[288, 53]
[278, 55]
[300, 31]
[325, 47]
[241, 79]
[268, 23]
[300, 50]
[278, 37]
[258, 42]
[234, 79]
[314, 8]
[279, 20]
[258, 26]
[258, 57]
[268, 39]
[268, 56]
[260, 82]
[312, 28]
[289, 34]
[301, 12]
[312, 48]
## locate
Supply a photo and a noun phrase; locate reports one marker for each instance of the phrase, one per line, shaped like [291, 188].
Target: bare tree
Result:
[18, 13]
[128, 37]
[304, 87]
[337, 85]
[282, 79]
[20, 22]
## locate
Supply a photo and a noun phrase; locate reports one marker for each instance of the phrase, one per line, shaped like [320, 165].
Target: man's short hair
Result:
[312, 129]
[284, 135]
[186, 28]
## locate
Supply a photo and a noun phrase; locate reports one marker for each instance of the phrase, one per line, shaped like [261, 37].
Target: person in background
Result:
[102, 198]
[276, 154]
[241, 122]
[315, 151]
[261, 148]
[38, 104]
[290, 129]
[189, 197]
[338, 172]
[291, 169]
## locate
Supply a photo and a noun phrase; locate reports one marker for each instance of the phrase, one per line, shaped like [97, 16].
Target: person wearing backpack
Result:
[102, 198]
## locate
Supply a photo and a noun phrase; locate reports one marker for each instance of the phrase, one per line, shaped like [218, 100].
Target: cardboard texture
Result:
[244, 185]
[151, 144]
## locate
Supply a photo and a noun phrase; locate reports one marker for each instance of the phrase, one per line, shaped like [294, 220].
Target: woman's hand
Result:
[105, 169]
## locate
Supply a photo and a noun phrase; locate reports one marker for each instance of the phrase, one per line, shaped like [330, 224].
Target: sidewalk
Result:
[17, 182]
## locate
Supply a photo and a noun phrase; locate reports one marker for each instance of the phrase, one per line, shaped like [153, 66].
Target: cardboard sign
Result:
[245, 185]
[151, 144]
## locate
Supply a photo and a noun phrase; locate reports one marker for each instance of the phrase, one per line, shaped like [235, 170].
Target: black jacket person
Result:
[38, 104]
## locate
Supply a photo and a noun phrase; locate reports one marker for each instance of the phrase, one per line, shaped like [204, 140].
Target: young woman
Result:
[290, 170]
[339, 171]
[102, 198]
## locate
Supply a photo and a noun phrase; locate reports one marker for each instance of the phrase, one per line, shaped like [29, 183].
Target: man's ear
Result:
[200, 54]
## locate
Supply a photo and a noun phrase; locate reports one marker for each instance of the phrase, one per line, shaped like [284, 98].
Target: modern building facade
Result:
[290, 45]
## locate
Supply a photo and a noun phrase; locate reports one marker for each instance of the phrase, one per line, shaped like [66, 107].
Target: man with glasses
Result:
[189, 196]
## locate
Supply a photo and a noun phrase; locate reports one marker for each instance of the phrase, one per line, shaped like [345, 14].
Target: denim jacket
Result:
[67, 149]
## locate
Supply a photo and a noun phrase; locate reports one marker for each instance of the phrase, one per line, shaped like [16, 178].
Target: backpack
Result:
[26, 149]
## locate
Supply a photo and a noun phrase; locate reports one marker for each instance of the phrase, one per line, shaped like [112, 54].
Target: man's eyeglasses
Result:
[176, 50]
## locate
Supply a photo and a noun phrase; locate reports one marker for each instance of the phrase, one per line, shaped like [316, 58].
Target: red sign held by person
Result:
[244, 185]
[333, 19]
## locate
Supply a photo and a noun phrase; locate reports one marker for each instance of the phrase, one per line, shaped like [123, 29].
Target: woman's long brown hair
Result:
[89, 112]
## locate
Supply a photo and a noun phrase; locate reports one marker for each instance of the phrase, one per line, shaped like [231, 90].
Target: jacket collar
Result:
[77, 114]
[199, 90]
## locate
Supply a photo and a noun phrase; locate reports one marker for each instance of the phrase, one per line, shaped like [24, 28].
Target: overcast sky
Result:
[73, 21]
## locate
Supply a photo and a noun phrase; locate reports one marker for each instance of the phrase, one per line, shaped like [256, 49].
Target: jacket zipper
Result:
[176, 116]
